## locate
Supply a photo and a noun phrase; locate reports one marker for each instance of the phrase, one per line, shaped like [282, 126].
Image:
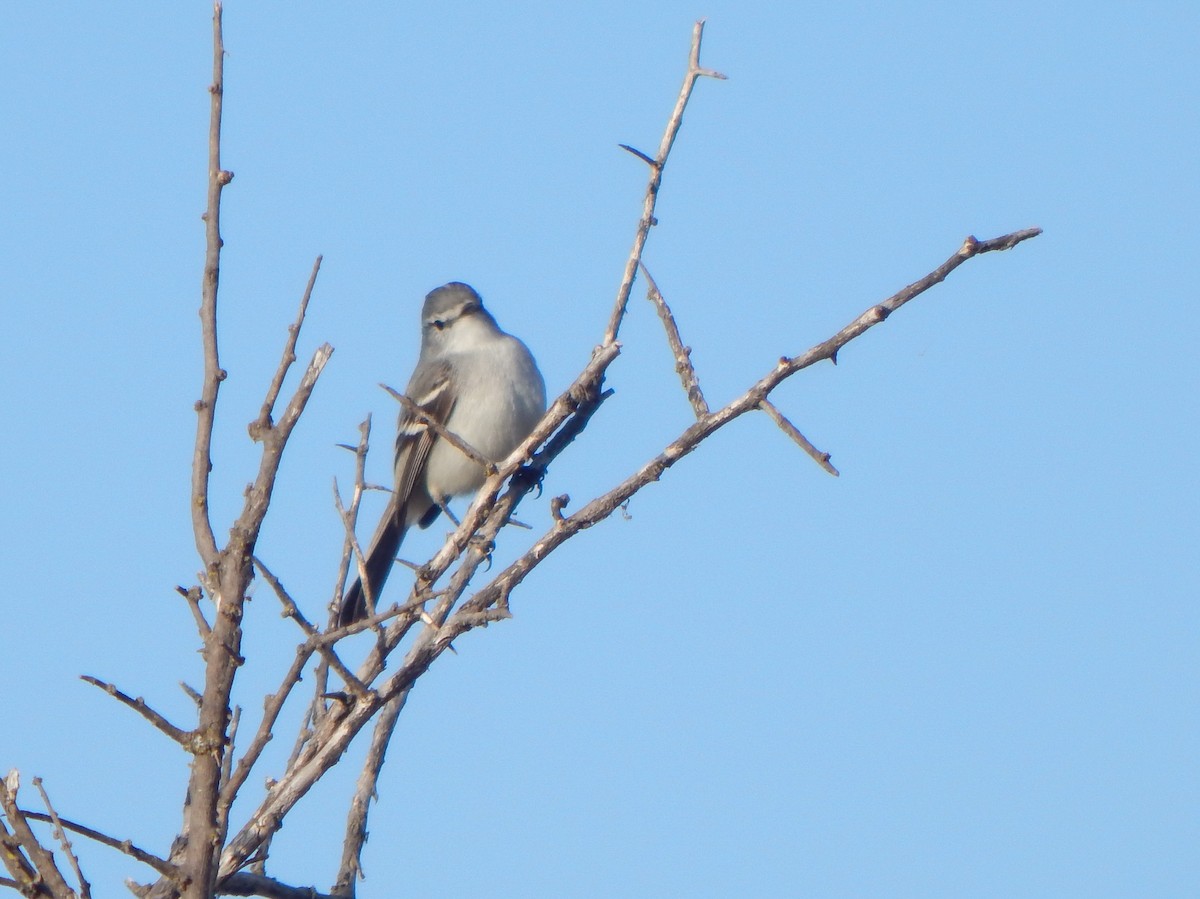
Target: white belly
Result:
[500, 414]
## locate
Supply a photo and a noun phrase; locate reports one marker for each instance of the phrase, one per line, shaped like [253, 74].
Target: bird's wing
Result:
[431, 389]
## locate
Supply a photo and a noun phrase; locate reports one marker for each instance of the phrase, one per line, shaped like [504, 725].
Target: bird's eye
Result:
[439, 324]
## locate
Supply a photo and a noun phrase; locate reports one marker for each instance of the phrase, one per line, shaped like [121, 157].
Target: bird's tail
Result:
[379, 559]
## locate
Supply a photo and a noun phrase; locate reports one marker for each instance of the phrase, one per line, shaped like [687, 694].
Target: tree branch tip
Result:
[557, 504]
[653, 163]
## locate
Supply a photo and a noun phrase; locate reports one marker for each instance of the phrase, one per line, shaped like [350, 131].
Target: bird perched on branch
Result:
[481, 385]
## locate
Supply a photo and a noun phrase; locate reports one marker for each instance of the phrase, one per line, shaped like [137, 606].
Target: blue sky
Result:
[966, 667]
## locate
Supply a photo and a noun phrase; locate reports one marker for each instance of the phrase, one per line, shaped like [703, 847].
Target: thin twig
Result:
[683, 354]
[364, 791]
[349, 518]
[163, 867]
[183, 737]
[792, 431]
[192, 595]
[85, 888]
[438, 428]
[47, 880]
[639, 154]
[291, 610]
[225, 800]
[657, 165]
[360, 558]
[263, 423]
[272, 706]
[191, 693]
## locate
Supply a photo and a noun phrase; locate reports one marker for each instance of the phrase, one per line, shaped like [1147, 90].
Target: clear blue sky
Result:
[967, 667]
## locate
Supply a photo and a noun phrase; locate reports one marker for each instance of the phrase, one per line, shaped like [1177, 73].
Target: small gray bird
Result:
[481, 385]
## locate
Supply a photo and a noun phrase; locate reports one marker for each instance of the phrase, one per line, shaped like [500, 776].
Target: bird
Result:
[480, 384]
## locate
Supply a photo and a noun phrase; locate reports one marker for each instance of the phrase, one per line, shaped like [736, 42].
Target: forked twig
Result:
[262, 424]
[649, 201]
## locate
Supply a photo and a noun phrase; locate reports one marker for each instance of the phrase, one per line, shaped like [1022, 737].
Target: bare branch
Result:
[434, 425]
[349, 519]
[206, 407]
[603, 506]
[569, 412]
[683, 354]
[272, 706]
[225, 799]
[85, 888]
[192, 595]
[263, 423]
[245, 884]
[557, 504]
[16, 863]
[657, 165]
[360, 558]
[335, 724]
[364, 791]
[191, 693]
[183, 737]
[39, 876]
[792, 431]
[639, 154]
[291, 610]
[162, 866]
[258, 498]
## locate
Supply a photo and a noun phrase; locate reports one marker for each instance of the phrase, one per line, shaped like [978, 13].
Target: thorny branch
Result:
[603, 506]
[491, 510]
[657, 164]
[205, 861]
